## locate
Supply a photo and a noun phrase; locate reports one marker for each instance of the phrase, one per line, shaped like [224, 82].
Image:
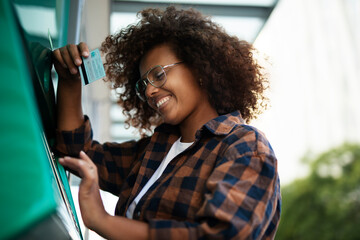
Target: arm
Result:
[114, 161]
[242, 202]
[74, 131]
[92, 209]
[66, 61]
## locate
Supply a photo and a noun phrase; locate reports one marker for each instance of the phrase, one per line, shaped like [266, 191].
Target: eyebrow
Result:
[163, 66]
[142, 76]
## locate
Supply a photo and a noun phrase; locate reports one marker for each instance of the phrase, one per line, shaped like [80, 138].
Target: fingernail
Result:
[78, 62]
[73, 70]
[67, 158]
[61, 160]
[85, 53]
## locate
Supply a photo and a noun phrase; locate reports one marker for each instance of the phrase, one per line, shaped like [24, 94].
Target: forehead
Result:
[159, 55]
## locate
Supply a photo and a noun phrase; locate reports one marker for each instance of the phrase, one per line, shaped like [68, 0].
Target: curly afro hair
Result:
[231, 76]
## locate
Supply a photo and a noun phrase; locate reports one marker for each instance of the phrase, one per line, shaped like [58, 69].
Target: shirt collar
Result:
[224, 124]
[220, 125]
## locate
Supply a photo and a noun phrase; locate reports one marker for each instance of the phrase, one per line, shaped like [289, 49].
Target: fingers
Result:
[63, 57]
[78, 51]
[85, 157]
[72, 163]
[59, 58]
[90, 172]
[84, 49]
[70, 56]
[84, 166]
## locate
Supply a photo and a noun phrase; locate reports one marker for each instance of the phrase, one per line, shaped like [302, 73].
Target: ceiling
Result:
[243, 18]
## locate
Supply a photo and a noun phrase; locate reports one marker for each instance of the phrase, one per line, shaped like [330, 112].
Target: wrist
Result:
[101, 224]
[71, 83]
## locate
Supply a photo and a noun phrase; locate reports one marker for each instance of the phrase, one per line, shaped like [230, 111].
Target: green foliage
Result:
[326, 204]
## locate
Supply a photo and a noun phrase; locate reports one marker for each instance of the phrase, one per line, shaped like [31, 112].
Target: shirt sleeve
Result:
[243, 199]
[113, 160]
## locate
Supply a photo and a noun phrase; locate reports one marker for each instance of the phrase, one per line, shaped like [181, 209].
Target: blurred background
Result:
[311, 52]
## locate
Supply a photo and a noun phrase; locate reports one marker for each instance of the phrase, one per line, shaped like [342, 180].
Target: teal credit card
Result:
[92, 67]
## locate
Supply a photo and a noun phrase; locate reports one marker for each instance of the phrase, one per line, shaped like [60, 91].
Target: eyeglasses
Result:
[156, 76]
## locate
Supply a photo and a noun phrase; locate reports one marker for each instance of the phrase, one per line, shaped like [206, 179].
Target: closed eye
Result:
[159, 76]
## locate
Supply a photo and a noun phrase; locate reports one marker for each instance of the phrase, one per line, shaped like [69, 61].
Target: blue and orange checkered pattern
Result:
[224, 186]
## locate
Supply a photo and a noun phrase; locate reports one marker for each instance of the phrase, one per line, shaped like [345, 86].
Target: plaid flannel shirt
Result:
[224, 186]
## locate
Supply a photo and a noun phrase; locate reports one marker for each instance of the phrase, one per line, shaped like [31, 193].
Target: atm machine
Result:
[35, 197]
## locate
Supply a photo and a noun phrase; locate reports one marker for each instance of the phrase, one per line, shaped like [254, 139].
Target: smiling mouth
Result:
[162, 101]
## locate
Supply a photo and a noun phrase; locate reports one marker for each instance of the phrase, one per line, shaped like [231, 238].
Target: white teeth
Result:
[162, 101]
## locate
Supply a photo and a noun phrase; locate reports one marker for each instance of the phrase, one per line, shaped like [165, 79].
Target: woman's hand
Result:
[67, 60]
[91, 205]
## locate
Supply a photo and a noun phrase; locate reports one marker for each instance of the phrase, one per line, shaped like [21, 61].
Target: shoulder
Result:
[233, 133]
[248, 147]
[246, 138]
[245, 147]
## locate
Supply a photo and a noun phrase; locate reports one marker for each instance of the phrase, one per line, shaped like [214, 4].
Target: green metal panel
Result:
[40, 21]
[26, 185]
[35, 195]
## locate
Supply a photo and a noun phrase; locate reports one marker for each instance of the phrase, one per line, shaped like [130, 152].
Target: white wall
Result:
[314, 49]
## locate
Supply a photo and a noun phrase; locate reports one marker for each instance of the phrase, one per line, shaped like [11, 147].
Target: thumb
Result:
[85, 157]
[89, 170]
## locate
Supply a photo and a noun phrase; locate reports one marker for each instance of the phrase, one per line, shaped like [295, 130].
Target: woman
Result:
[202, 173]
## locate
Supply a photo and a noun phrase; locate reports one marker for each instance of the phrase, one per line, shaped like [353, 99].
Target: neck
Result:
[189, 126]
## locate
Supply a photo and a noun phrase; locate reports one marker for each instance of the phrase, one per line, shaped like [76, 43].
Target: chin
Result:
[171, 120]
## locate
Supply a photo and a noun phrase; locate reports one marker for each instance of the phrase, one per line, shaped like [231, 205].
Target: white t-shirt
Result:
[177, 148]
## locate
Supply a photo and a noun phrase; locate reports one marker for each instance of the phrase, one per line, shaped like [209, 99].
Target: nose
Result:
[150, 90]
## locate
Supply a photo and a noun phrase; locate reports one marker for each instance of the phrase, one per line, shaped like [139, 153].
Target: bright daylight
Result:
[183, 119]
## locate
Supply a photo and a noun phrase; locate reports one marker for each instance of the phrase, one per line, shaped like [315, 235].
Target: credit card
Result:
[92, 67]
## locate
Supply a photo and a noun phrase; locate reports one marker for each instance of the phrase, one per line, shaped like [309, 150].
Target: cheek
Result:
[151, 105]
[190, 96]
[187, 85]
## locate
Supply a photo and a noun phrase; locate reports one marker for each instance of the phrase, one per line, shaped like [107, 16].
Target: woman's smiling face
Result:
[181, 97]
